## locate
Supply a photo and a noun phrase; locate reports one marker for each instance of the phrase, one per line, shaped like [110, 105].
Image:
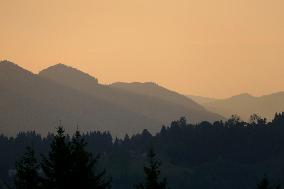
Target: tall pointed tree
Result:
[57, 166]
[84, 172]
[27, 176]
[152, 173]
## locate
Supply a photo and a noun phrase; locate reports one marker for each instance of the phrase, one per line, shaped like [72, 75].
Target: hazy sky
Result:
[212, 48]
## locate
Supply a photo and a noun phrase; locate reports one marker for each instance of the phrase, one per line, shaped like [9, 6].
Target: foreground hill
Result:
[246, 104]
[38, 101]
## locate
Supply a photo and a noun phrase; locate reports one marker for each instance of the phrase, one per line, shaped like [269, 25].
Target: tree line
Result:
[223, 154]
[70, 165]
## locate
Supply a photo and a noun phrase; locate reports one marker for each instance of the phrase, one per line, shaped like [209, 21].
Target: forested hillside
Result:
[232, 154]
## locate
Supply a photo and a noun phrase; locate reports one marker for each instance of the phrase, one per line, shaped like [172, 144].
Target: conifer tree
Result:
[152, 173]
[84, 173]
[57, 166]
[27, 176]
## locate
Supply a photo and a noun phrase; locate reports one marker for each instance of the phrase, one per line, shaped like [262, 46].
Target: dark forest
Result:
[232, 154]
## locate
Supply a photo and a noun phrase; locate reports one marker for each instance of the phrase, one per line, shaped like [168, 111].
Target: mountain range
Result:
[37, 102]
[244, 105]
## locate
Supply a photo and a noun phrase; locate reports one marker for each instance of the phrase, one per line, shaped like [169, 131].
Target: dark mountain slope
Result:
[162, 107]
[201, 99]
[154, 90]
[31, 102]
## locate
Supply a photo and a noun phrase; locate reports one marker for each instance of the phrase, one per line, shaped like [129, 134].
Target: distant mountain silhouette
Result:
[38, 101]
[201, 99]
[154, 90]
[69, 76]
[161, 108]
[246, 104]
[30, 102]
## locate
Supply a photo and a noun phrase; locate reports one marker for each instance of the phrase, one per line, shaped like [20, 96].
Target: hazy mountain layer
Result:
[37, 102]
[245, 105]
[31, 102]
[147, 99]
[201, 99]
[194, 111]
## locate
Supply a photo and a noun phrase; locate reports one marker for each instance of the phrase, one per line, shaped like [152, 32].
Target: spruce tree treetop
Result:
[152, 173]
[85, 172]
[57, 166]
[70, 166]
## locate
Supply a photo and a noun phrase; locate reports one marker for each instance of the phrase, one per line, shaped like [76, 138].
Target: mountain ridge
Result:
[147, 100]
[36, 101]
[246, 104]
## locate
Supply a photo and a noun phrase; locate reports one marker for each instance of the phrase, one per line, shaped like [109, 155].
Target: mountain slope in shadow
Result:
[200, 99]
[195, 112]
[150, 100]
[30, 102]
[38, 101]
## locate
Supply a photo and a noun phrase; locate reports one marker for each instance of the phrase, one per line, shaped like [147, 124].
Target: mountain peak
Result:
[150, 83]
[60, 67]
[9, 68]
[146, 84]
[68, 75]
[8, 64]
[66, 71]
[242, 95]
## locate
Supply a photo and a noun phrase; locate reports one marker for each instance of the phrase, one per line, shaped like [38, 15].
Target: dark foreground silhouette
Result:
[69, 165]
[232, 154]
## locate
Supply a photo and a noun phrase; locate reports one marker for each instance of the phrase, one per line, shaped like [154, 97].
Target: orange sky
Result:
[204, 47]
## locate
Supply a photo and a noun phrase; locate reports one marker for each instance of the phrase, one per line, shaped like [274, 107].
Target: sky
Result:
[209, 48]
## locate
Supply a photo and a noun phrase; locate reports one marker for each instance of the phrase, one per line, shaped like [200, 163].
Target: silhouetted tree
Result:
[183, 122]
[263, 184]
[278, 119]
[84, 173]
[257, 120]
[234, 121]
[204, 147]
[152, 173]
[57, 166]
[126, 138]
[27, 176]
